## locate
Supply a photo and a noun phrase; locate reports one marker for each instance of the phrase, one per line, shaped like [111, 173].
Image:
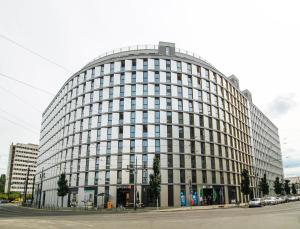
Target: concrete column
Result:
[164, 196]
[226, 194]
[176, 195]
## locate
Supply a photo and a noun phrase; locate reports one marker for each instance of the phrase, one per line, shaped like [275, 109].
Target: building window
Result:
[109, 133]
[181, 146]
[168, 65]
[169, 131]
[169, 117]
[204, 177]
[168, 77]
[132, 131]
[156, 77]
[121, 104]
[122, 91]
[145, 145]
[109, 121]
[110, 106]
[180, 105]
[112, 67]
[132, 145]
[145, 89]
[168, 51]
[169, 103]
[132, 117]
[157, 131]
[157, 90]
[145, 131]
[156, 64]
[180, 130]
[206, 73]
[179, 91]
[168, 90]
[122, 65]
[179, 66]
[133, 103]
[133, 77]
[189, 68]
[145, 77]
[145, 117]
[157, 103]
[145, 64]
[157, 117]
[133, 90]
[170, 176]
[133, 65]
[157, 145]
[145, 103]
[119, 177]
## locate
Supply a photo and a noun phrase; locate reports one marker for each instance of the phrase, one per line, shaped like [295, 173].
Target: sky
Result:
[257, 41]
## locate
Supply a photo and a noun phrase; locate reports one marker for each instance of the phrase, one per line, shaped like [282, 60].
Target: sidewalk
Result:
[195, 208]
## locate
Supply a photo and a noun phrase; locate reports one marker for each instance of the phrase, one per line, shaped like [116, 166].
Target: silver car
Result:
[256, 202]
[270, 200]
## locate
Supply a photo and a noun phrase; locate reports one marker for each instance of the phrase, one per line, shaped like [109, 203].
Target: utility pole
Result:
[190, 189]
[33, 184]
[26, 185]
[135, 181]
[135, 170]
[41, 188]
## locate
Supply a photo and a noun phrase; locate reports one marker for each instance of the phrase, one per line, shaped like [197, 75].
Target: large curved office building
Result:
[126, 107]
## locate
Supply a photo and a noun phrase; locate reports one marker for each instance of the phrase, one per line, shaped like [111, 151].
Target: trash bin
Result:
[109, 205]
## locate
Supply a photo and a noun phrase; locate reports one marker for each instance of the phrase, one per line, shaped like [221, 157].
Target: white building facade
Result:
[21, 158]
[133, 104]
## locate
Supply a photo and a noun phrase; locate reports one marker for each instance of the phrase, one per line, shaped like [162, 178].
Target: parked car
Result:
[285, 199]
[292, 198]
[270, 200]
[256, 202]
[279, 200]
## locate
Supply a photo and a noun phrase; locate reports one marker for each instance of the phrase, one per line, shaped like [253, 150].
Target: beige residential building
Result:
[21, 157]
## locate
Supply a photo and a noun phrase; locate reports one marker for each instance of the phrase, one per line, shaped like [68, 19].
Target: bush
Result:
[3, 196]
[13, 196]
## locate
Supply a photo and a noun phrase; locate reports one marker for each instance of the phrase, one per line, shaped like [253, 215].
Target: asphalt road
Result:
[284, 216]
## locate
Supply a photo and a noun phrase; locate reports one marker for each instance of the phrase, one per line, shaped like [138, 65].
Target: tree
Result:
[3, 196]
[263, 185]
[155, 179]
[14, 196]
[63, 188]
[2, 183]
[245, 183]
[287, 187]
[278, 186]
[294, 190]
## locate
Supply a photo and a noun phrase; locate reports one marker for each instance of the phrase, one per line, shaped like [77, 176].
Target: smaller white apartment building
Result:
[21, 157]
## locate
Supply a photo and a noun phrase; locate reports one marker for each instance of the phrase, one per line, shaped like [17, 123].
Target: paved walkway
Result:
[194, 208]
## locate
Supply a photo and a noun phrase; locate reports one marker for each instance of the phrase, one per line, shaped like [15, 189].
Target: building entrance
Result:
[124, 196]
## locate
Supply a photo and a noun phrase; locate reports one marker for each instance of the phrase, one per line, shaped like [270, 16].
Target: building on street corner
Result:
[127, 106]
[21, 158]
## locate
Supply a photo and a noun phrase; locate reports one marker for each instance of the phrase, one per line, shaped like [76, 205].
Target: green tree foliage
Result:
[278, 186]
[155, 179]
[13, 196]
[2, 183]
[294, 190]
[63, 188]
[287, 187]
[264, 186]
[3, 196]
[245, 183]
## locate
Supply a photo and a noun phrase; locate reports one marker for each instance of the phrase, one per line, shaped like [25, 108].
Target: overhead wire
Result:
[26, 84]
[33, 52]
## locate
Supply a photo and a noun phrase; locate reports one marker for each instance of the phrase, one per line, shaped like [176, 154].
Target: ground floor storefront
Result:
[122, 196]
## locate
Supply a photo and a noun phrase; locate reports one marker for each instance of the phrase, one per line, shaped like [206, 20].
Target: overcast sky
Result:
[258, 41]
